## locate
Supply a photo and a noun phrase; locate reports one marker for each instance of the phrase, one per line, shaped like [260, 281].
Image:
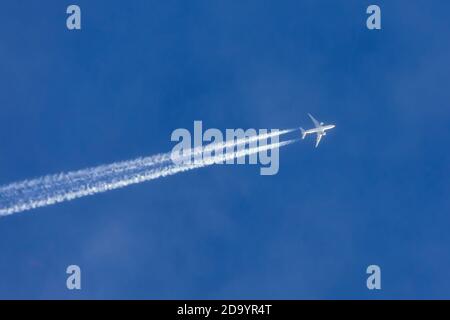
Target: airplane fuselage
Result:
[320, 130]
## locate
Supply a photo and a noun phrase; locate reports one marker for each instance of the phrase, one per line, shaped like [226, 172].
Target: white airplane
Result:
[319, 129]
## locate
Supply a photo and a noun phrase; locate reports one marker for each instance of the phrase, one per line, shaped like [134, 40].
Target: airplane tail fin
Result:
[303, 133]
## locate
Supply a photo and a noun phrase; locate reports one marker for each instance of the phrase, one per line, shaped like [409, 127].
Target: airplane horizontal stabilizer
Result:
[303, 133]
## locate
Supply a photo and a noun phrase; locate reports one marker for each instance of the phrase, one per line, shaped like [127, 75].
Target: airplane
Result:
[319, 129]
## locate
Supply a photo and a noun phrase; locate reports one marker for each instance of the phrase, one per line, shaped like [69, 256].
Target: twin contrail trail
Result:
[29, 194]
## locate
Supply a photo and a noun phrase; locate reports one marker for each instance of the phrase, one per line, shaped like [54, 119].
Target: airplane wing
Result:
[319, 136]
[316, 123]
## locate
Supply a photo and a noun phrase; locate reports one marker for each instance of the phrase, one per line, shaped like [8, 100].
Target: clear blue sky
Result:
[374, 192]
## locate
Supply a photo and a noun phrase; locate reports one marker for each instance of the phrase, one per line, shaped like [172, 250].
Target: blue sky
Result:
[374, 192]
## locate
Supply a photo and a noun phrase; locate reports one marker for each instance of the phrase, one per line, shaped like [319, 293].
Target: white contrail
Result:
[49, 190]
[118, 167]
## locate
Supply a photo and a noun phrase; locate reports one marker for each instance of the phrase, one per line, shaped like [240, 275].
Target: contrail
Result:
[118, 167]
[48, 190]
